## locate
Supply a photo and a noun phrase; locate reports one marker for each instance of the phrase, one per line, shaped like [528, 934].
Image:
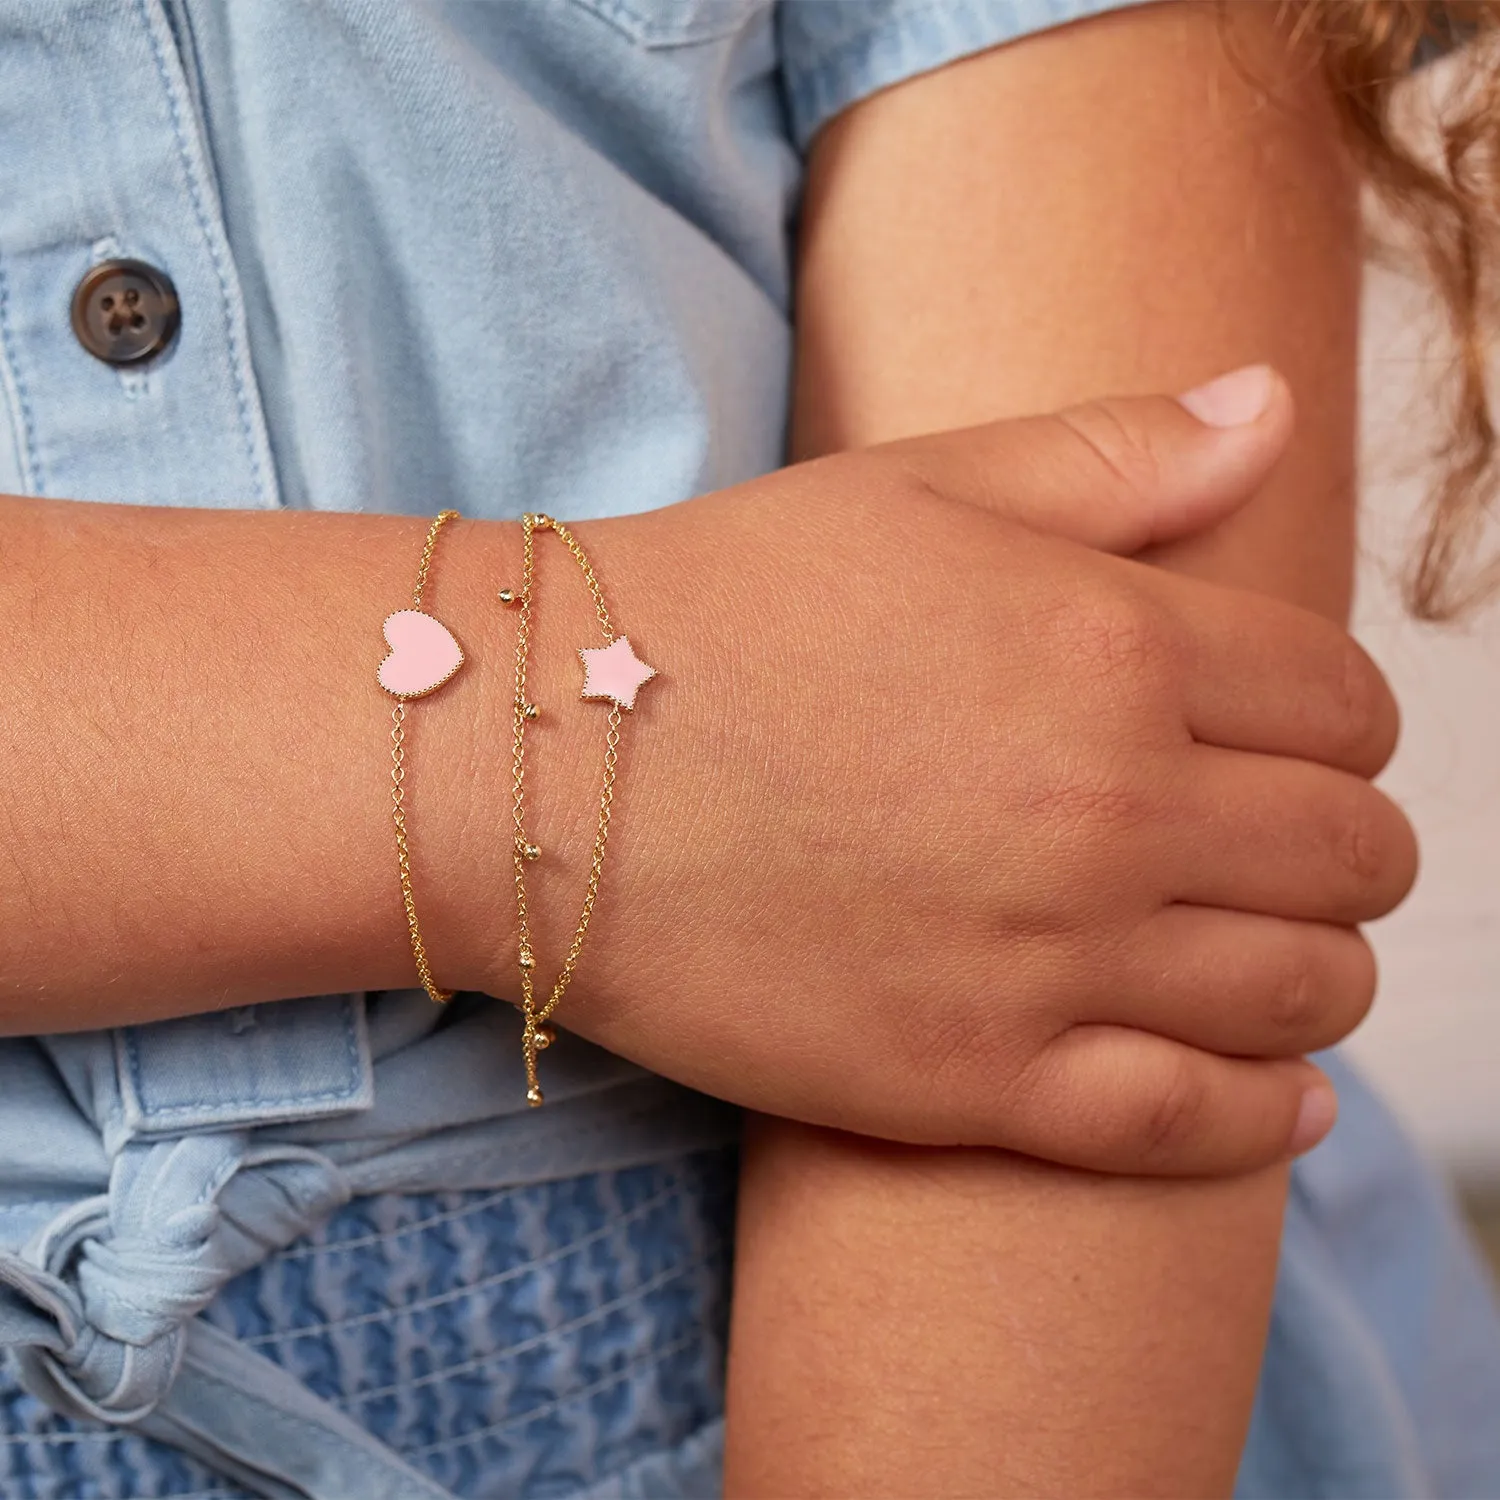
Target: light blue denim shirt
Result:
[496, 256]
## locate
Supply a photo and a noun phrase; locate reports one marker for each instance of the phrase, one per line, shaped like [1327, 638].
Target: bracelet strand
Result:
[612, 672]
[423, 656]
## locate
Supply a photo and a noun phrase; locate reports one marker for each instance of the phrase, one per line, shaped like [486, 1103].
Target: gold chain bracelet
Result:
[612, 672]
[423, 656]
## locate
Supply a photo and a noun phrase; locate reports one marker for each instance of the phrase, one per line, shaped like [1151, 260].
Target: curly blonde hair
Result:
[1449, 200]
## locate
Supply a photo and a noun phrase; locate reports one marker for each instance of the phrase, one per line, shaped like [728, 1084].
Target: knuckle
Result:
[1299, 999]
[1121, 636]
[966, 1059]
[1362, 845]
[1088, 801]
[1321, 993]
[1174, 1117]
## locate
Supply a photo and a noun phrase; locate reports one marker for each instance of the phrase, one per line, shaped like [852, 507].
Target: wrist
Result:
[469, 913]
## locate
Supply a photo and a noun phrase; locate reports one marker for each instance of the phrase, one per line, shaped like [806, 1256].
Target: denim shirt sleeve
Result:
[835, 53]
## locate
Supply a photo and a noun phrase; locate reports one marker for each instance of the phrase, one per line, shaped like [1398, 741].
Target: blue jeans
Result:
[529, 1342]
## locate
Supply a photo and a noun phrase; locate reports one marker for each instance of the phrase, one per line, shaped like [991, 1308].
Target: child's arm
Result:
[883, 762]
[1111, 206]
[899, 744]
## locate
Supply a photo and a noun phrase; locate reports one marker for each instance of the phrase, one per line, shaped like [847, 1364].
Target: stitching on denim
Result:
[111, 1435]
[114, 1435]
[274, 1104]
[615, 1377]
[536, 1341]
[711, 24]
[363, 1241]
[485, 1284]
[211, 244]
[25, 438]
[448, 1216]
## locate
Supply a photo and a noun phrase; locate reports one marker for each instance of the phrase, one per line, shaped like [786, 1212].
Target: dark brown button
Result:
[125, 311]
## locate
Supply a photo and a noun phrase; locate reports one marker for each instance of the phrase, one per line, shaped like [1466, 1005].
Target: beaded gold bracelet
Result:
[424, 655]
[611, 673]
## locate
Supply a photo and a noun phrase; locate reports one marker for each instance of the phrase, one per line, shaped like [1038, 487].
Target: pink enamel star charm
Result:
[614, 672]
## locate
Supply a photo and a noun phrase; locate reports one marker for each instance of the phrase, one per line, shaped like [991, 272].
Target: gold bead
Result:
[531, 851]
[534, 1096]
[507, 596]
[527, 961]
[542, 1038]
[530, 711]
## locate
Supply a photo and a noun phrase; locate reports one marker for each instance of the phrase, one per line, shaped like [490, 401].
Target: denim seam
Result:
[59, 1439]
[615, 1377]
[485, 1284]
[264, 1101]
[10, 375]
[500, 1195]
[363, 1241]
[659, 36]
[215, 253]
[536, 1341]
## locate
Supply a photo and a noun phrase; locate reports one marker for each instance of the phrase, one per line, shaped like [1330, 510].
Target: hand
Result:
[958, 833]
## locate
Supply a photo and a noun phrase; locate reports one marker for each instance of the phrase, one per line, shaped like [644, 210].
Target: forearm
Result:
[197, 779]
[200, 815]
[969, 1324]
[978, 1324]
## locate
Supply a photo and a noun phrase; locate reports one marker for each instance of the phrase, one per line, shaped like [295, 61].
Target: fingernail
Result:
[1320, 1108]
[1233, 399]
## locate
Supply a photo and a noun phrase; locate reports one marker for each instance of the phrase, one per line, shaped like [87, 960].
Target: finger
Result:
[1257, 673]
[1123, 474]
[1290, 839]
[1111, 1099]
[1243, 985]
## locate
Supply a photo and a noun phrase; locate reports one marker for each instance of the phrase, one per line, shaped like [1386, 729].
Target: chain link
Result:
[537, 1035]
[428, 548]
[435, 992]
[403, 855]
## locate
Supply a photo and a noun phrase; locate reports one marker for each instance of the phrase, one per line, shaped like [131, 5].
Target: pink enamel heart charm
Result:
[423, 656]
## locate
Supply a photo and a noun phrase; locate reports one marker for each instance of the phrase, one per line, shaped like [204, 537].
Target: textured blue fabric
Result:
[499, 256]
[512, 1343]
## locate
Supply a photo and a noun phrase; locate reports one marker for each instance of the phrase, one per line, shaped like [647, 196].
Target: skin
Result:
[913, 1322]
[241, 851]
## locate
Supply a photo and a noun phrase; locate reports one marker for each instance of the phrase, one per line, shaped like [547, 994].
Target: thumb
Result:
[1121, 474]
